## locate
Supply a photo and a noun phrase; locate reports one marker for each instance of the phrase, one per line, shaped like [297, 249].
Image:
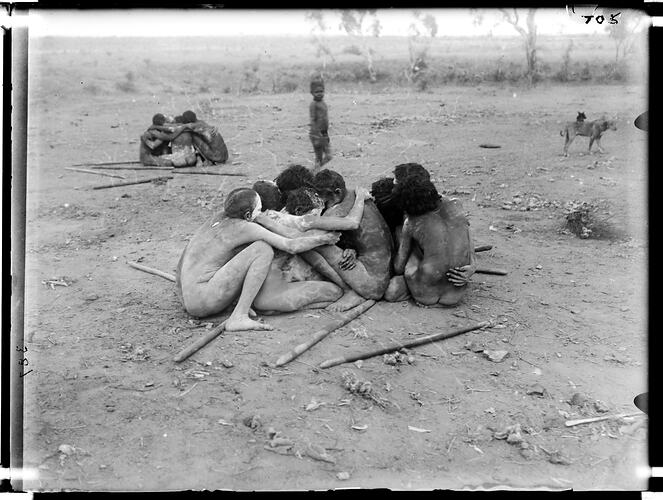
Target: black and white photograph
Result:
[459, 303]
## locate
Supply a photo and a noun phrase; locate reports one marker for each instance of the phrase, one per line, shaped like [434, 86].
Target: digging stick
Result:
[128, 162]
[396, 346]
[129, 183]
[483, 248]
[151, 270]
[324, 331]
[571, 423]
[104, 167]
[486, 270]
[85, 170]
[203, 172]
[201, 342]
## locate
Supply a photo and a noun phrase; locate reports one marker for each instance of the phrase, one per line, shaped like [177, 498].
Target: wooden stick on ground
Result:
[483, 248]
[198, 344]
[128, 162]
[207, 172]
[486, 270]
[571, 423]
[85, 170]
[324, 331]
[149, 167]
[129, 183]
[396, 346]
[151, 270]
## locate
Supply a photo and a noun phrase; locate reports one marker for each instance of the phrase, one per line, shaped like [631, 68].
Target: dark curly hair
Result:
[387, 202]
[299, 202]
[418, 196]
[327, 181]
[405, 170]
[269, 193]
[158, 119]
[291, 178]
[189, 117]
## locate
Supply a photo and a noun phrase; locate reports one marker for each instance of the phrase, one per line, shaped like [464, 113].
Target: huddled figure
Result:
[306, 240]
[182, 141]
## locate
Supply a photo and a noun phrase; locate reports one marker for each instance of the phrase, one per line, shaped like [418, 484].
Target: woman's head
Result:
[270, 195]
[418, 196]
[405, 170]
[303, 201]
[242, 203]
[291, 178]
[330, 186]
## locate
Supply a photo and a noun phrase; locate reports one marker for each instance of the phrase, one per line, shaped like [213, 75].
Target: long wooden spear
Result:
[405, 345]
[129, 183]
[324, 331]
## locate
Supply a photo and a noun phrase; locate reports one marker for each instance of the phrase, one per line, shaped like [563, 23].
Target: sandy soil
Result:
[571, 312]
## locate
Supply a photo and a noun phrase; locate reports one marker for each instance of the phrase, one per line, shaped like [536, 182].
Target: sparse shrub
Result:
[128, 85]
[563, 75]
[591, 220]
[586, 73]
[250, 82]
[352, 50]
[227, 89]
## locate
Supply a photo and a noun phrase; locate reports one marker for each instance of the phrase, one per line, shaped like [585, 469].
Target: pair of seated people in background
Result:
[182, 141]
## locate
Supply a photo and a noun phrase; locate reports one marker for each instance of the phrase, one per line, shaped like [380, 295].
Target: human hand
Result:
[304, 222]
[330, 238]
[363, 193]
[460, 276]
[348, 260]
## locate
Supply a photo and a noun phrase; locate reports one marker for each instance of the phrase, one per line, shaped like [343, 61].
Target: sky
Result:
[207, 22]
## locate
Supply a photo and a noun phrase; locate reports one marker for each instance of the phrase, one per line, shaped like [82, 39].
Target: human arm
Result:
[332, 223]
[404, 247]
[276, 227]
[255, 232]
[460, 276]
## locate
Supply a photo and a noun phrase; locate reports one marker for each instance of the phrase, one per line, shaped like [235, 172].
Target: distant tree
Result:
[318, 30]
[625, 33]
[528, 34]
[360, 24]
[421, 33]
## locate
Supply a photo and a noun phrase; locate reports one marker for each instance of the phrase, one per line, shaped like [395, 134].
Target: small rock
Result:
[252, 422]
[410, 359]
[537, 390]
[539, 266]
[496, 356]
[601, 407]
[343, 476]
[557, 458]
[474, 346]
[514, 437]
[103, 466]
[578, 399]
[227, 363]
[67, 449]
[149, 384]
[91, 297]
[359, 363]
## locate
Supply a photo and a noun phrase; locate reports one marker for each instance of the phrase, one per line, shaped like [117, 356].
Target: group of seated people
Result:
[181, 141]
[306, 241]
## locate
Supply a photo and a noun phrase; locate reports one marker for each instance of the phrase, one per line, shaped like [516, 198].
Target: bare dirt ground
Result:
[571, 312]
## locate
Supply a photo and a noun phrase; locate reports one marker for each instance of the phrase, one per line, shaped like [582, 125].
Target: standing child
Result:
[318, 132]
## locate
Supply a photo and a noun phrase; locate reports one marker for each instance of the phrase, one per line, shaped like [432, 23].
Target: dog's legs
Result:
[598, 144]
[591, 141]
[567, 143]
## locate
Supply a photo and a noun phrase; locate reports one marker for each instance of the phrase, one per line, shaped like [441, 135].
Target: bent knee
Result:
[260, 248]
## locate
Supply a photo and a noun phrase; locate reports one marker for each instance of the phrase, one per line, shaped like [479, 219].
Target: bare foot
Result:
[234, 324]
[349, 300]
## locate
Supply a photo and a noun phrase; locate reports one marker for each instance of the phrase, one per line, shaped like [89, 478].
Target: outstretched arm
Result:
[276, 227]
[330, 223]
[255, 232]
